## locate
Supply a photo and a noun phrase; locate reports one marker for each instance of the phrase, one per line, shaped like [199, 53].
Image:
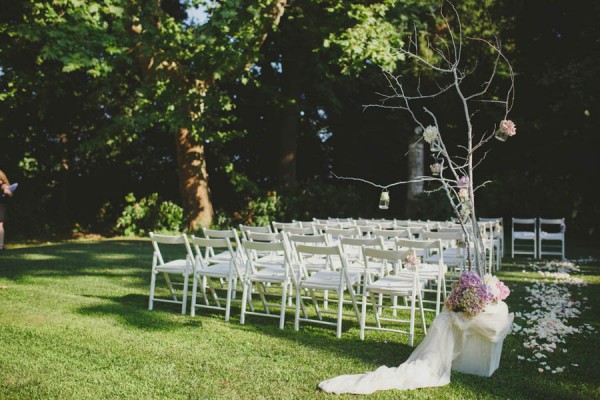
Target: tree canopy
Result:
[266, 98]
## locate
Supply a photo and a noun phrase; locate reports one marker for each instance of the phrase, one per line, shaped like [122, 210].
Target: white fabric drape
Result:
[430, 363]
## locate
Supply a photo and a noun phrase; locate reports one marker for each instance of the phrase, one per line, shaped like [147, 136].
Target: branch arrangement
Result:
[453, 171]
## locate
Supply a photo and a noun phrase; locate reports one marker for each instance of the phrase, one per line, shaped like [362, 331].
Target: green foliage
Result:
[434, 206]
[321, 200]
[263, 210]
[149, 214]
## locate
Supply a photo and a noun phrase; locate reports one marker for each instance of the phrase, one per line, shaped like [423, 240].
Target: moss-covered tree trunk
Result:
[193, 180]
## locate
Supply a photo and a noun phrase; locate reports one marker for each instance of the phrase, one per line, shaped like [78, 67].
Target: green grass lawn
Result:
[74, 325]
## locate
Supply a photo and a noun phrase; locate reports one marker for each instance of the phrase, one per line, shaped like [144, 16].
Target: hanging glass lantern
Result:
[436, 168]
[436, 146]
[384, 200]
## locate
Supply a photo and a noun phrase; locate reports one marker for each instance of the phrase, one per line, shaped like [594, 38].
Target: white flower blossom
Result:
[430, 134]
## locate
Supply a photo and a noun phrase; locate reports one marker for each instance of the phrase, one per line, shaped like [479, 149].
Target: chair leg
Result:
[230, 283]
[377, 310]
[152, 287]
[363, 315]
[412, 320]
[170, 285]
[339, 314]
[512, 248]
[422, 312]
[204, 284]
[194, 294]
[297, 314]
[186, 278]
[438, 295]
[283, 305]
[244, 301]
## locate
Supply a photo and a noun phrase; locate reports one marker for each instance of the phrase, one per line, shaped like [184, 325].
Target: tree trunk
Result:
[193, 181]
[415, 168]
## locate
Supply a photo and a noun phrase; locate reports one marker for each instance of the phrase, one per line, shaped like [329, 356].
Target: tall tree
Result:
[162, 68]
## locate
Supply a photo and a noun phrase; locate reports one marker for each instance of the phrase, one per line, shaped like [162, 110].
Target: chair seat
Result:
[220, 270]
[272, 274]
[316, 263]
[174, 266]
[359, 267]
[551, 236]
[398, 285]
[450, 259]
[219, 258]
[524, 235]
[269, 261]
[328, 280]
[432, 268]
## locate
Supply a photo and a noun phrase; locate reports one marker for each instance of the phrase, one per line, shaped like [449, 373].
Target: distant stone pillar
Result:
[415, 168]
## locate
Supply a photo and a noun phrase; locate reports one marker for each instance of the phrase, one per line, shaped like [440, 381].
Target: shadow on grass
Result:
[105, 258]
[132, 310]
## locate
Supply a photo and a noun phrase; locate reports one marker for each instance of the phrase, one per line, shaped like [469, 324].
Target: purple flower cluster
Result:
[469, 295]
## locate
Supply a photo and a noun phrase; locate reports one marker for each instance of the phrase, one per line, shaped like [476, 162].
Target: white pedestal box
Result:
[480, 356]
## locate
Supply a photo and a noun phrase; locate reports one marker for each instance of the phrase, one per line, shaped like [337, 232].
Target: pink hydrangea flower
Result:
[508, 127]
[412, 260]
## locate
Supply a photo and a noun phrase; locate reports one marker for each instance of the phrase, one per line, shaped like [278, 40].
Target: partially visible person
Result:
[5, 194]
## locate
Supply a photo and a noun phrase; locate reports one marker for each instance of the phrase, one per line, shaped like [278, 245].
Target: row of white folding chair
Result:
[492, 241]
[200, 265]
[265, 277]
[536, 231]
[229, 274]
[408, 284]
[182, 264]
[312, 269]
[312, 276]
[432, 268]
[342, 282]
[347, 280]
[497, 225]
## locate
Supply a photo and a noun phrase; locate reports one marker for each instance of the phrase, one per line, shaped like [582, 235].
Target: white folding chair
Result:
[306, 230]
[226, 273]
[432, 268]
[342, 281]
[524, 230]
[315, 263]
[553, 231]
[178, 266]
[266, 279]
[407, 284]
[224, 255]
[389, 236]
[454, 249]
[353, 249]
[257, 229]
[279, 226]
[334, 234]
[498, 231]
[492, 240]
[266, 258]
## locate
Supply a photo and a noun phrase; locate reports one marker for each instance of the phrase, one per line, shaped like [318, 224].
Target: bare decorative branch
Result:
[454, 172]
